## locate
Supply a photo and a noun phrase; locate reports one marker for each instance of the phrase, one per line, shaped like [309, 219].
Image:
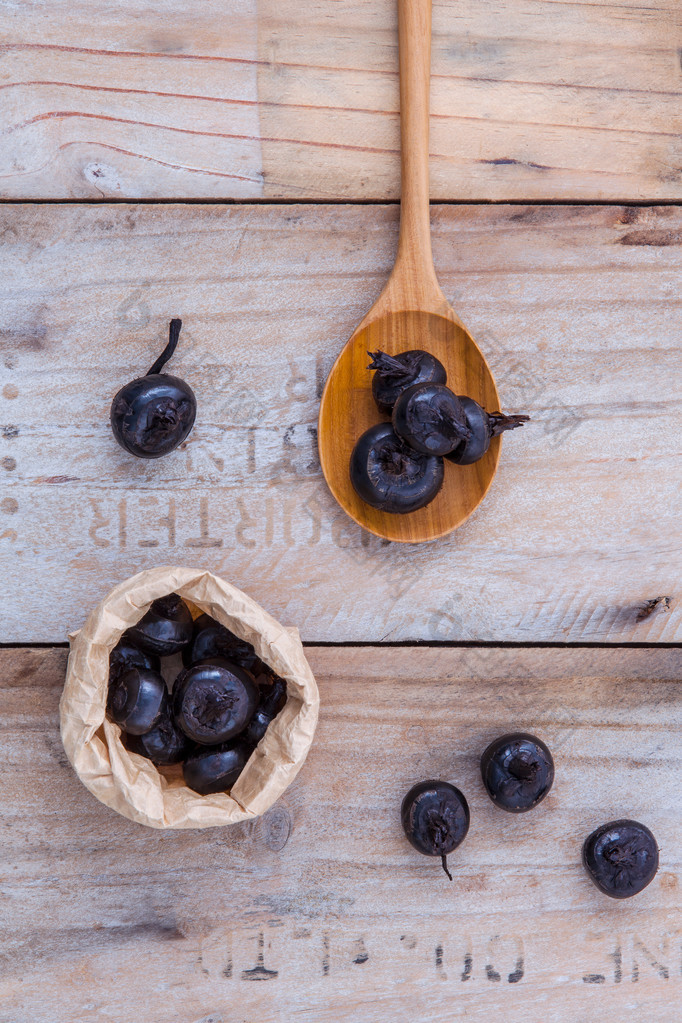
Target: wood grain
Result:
[322, 901]
[530, 99]
[575, 309]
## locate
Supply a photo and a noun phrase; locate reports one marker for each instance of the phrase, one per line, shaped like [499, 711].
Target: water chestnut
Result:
[272, 697]
[163, 744]
[483, 426]
[517, 771]
[136, 700]
[621, 858]
[435, 819]
[216, 769]
[126, 655]
[214, 701]
[210, 639]
[153, 414]
[394, 373]
[165, 629]
[431, 419]
[391, 476]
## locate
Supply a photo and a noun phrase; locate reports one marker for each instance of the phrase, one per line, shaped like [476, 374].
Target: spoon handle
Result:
[414, 38]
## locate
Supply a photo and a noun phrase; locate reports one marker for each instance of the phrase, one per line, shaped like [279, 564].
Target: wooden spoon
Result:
[411, 312]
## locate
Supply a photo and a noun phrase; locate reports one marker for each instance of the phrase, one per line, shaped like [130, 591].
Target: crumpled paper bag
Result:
[131, 784]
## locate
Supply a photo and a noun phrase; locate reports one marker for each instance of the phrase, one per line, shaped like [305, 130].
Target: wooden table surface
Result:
[240, 169]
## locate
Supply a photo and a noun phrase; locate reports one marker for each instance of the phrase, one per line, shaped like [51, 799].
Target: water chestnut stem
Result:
[167, 353]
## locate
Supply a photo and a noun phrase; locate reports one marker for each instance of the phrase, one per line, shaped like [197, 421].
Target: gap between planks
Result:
[311, 201]
[424, 644]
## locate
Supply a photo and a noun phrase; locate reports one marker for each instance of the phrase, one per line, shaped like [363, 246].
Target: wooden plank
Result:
[549, 99]
[529, 100]
[323, 901]
[576, 311]
[130, 100]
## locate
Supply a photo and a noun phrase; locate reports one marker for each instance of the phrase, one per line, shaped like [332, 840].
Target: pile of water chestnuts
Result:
[218, 709]
[517, 770]
[398, 467]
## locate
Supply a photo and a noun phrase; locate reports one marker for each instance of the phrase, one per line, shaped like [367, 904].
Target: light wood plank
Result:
[323, 900]
[575, 309]
[130, 100]
[530, 99]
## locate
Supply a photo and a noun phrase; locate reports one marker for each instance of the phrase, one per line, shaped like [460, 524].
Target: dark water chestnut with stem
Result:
[214, 701]
[136, 700]
[165, 629]
[388, 474]
[435, 819]
[153, 414]
[517, 771]
[482, 427]
[621, 858]
[394, 373]
[431, 419]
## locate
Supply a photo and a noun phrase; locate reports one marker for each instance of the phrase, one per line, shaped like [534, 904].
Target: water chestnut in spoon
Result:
[483, 426]
[431, 419]
[214, 701]
[394, 373]
[165, 629]
[389, 475]
[435, 819]
[136, 700]
[621, 858]
[153, 414]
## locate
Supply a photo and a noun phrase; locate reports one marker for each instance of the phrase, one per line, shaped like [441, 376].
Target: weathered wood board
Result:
[576, 310]
[266, 98]
[323, 902]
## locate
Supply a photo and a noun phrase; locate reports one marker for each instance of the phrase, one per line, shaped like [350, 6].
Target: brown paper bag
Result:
[131, 784]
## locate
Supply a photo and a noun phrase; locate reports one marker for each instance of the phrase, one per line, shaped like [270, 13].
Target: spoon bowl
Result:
[348, 409]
